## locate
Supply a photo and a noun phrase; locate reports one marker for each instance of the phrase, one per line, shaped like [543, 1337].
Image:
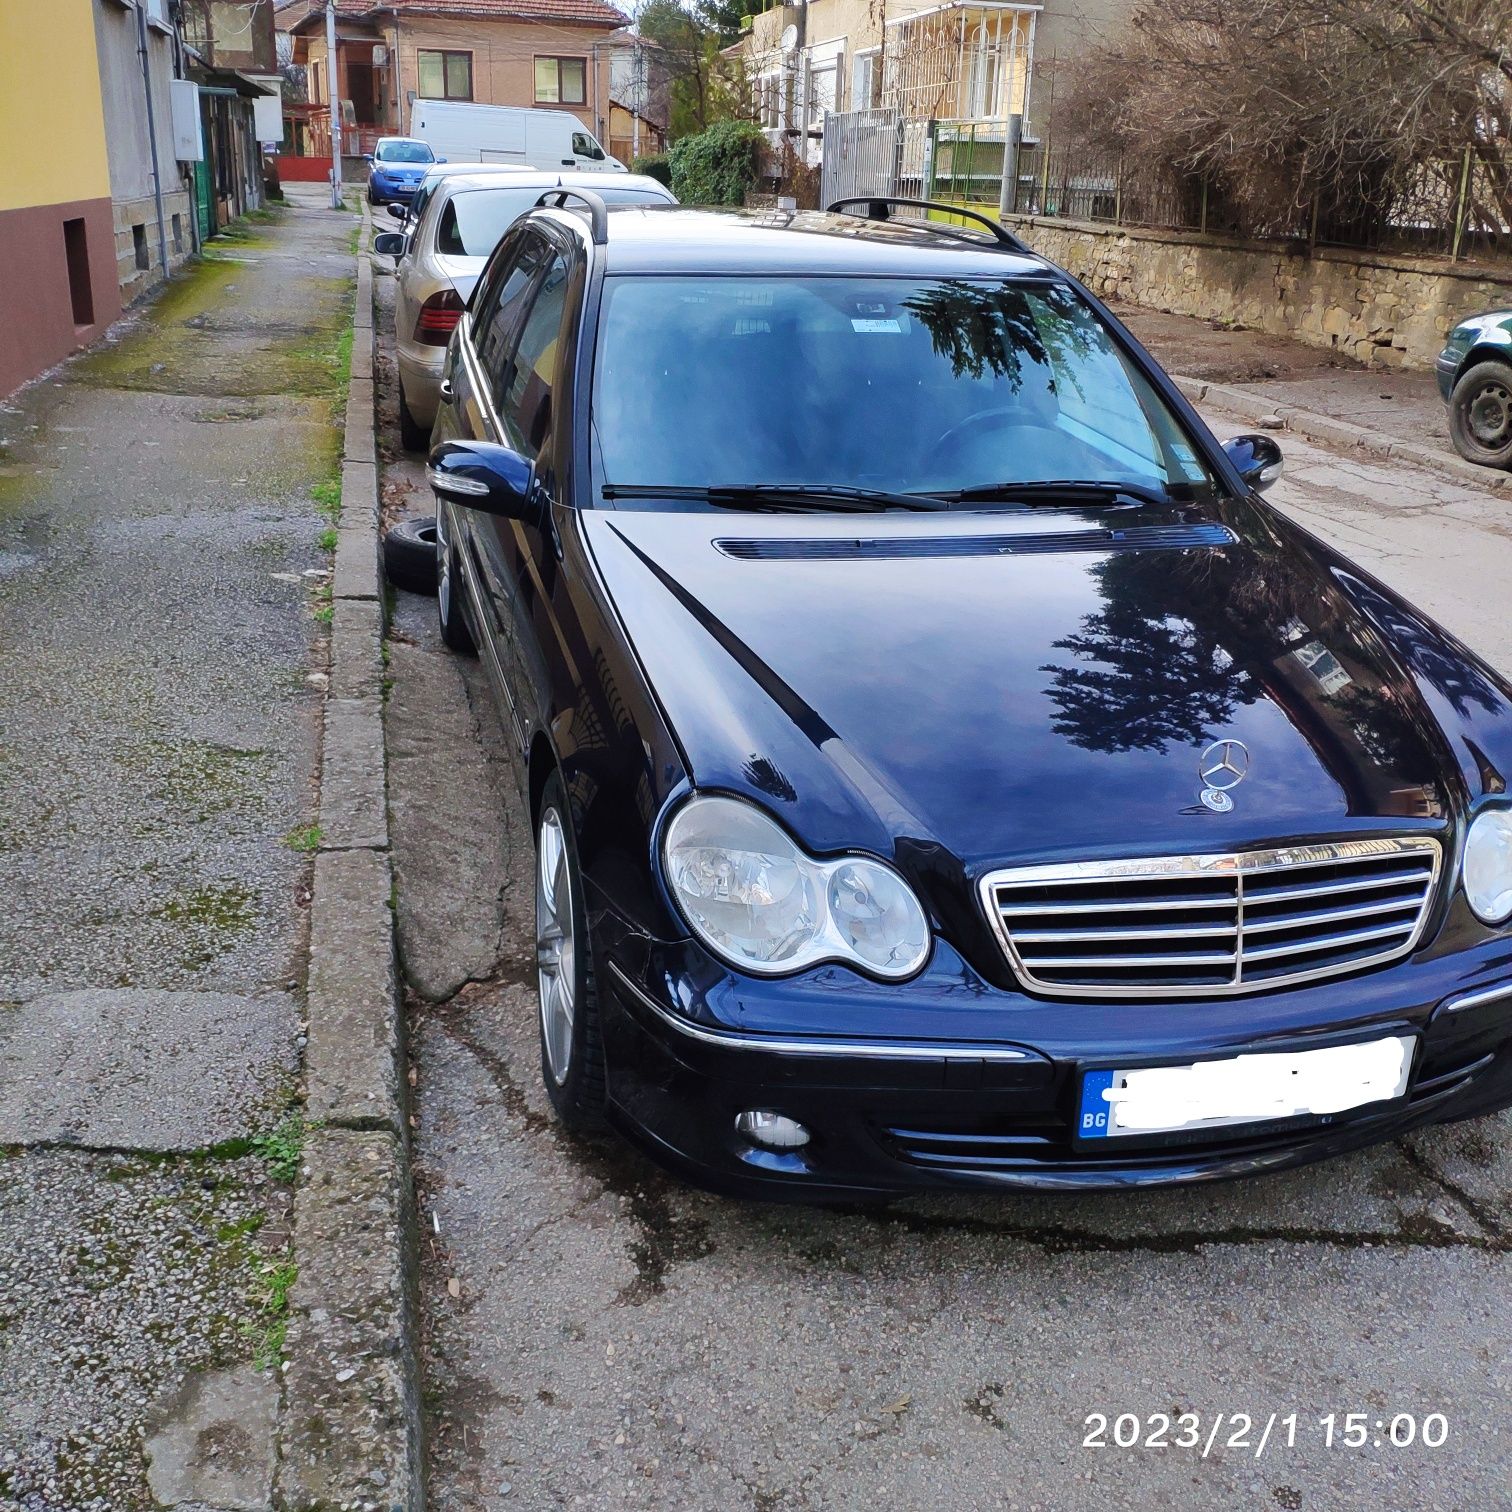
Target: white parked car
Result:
[509, 134]
[442, 254]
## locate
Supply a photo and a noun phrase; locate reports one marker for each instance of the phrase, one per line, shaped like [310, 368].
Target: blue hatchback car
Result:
[946, 769]
[396, 168]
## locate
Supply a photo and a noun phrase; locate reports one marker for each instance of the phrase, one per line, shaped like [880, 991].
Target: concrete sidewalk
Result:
[1320, 395]
[163, 587]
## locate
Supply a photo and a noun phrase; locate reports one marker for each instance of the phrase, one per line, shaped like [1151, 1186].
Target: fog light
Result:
[771, 1130]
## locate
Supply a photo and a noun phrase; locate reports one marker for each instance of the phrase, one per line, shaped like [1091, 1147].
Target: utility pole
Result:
[332, 75]
[639, 105]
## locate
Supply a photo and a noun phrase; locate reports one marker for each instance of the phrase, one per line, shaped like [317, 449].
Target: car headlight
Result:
[760, 902]
[1487, 870]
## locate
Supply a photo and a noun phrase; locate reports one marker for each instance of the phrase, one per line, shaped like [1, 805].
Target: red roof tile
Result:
[587, 12]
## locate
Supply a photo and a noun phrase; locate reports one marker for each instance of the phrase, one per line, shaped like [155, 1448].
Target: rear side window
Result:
[474, 220]
[526, 404]
[498, 317]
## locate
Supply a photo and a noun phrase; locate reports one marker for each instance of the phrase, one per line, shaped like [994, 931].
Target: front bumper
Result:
[383, 191]
[888, 1117]
[1445, 367]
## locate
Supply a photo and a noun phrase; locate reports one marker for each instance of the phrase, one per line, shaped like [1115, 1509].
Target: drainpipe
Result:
[157, 177]
[333, 75]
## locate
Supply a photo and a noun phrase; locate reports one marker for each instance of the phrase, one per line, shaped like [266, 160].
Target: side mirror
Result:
[399, 212]
[367, 157]
[389, 244]
[1257, 460]
[440, 160]
[479, 475]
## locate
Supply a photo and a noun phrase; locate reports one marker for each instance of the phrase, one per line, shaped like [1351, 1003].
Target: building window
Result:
[139, 246]
[864, 80]
[76, 255]
[561, 81]
[178, 233]
[445, 75]
[774, 99]
[316, 93]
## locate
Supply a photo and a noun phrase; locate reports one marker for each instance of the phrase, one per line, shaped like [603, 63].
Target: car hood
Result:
[1023, 687]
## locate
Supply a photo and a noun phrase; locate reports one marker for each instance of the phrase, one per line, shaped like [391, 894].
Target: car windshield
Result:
[473, 222]
[404, 152]
[884, 383]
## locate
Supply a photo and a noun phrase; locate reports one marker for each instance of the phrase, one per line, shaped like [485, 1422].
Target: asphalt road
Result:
[599, 1335]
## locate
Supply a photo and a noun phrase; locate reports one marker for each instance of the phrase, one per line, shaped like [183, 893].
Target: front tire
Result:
[454, 632]
[1480, 414]
[572, 1051]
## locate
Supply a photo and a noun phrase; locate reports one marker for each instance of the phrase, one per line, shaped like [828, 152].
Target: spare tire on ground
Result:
[409, 555]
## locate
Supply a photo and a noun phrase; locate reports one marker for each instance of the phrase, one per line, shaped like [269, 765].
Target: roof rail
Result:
[877, 207]
[598, 211]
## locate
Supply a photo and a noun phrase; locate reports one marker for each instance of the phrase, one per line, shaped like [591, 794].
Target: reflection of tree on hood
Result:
[1150, 680]
[995, 327]
[1149, 677]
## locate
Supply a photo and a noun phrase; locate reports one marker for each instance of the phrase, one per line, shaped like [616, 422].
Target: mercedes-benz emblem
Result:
[1222, 766]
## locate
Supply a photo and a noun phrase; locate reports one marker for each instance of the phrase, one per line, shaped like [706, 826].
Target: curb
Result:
[350, 1428]
[1256, 409]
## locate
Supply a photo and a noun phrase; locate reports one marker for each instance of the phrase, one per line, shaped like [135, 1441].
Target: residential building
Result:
[546, 54]
[971, 65]
[138, 129]
[231, 54]
[56, 225]
[1065, 32]
[152, 203]
[640, 102]
[963, 59]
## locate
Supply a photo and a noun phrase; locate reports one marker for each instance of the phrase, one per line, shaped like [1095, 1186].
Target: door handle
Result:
[448, 393]
[569, 162]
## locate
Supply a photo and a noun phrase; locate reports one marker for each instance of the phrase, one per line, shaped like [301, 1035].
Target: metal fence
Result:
[1454, 205]
[861, 154]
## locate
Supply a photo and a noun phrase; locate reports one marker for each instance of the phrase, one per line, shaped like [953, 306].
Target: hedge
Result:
[654, 166]
[718, 166]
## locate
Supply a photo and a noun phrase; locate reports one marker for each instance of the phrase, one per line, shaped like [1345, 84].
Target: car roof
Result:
[480, 170]
[542, 180]
[674, 239]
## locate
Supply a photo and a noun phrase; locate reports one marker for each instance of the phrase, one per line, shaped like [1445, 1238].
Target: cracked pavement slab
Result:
[598, 1335]
[133, 1070]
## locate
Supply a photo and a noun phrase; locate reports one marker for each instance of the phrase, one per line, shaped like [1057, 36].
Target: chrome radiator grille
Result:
[1203, 926]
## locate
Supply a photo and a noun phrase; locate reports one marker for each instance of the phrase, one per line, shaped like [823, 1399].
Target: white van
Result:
[544, 139]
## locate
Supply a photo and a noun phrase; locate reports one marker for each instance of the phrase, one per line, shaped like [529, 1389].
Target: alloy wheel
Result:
[556, 953]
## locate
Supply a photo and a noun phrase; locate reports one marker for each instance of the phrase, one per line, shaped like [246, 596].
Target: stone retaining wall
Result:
[1383, 310]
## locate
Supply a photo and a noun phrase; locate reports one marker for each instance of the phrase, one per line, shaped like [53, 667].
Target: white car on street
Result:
[441, 255]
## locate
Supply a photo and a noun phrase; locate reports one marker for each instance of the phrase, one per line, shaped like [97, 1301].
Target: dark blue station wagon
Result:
[945, 768]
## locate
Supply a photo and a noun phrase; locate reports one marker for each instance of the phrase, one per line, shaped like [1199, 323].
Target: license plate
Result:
[1259, 1088]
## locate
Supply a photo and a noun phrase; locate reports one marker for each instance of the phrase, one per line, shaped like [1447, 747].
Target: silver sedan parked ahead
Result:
[440, 258]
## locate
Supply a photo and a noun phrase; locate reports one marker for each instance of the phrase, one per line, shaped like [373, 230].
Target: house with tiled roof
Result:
[545, 54]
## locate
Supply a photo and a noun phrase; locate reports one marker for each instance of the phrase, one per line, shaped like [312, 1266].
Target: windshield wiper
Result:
[1058, 491]
[781, 496]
